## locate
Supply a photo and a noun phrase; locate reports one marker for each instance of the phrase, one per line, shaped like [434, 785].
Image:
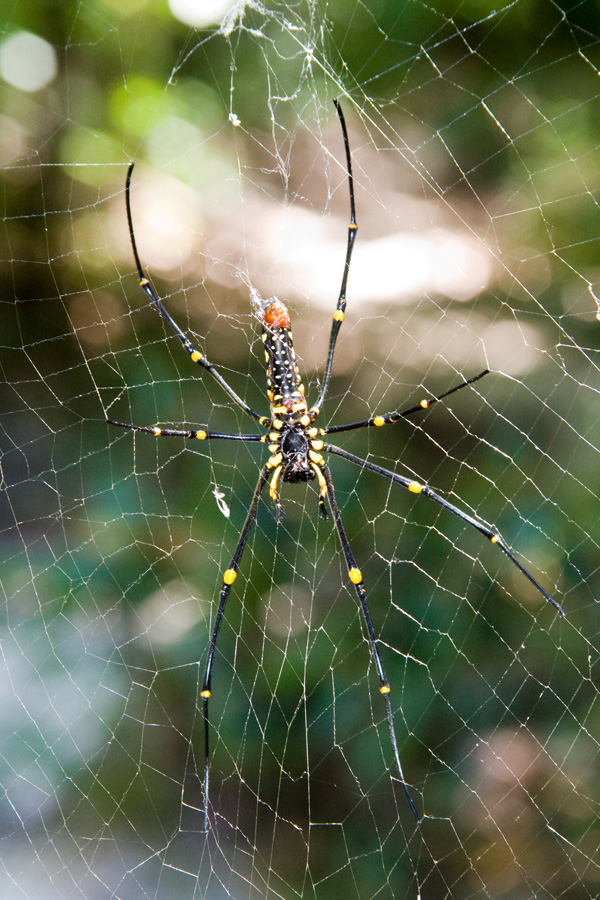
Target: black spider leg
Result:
[338, 316]
[395, 416]
[415, 487]
[195, 354]
[356, 579]
[229, 577]
[200, 434]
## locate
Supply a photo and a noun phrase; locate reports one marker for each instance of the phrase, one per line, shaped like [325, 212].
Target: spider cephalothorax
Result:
[295, 445]
[296, 452]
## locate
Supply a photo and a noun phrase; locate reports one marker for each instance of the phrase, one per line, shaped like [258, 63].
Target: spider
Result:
[296, 448]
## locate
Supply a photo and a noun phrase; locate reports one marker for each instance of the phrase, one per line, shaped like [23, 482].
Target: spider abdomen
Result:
[284, 386]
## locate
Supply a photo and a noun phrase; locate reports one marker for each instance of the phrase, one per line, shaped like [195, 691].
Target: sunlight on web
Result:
[475, 162]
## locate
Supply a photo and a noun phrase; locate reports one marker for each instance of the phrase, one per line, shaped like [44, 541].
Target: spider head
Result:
[296, 462]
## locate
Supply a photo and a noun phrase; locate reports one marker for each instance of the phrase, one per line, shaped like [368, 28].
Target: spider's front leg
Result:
[324, 475]
[229, 577]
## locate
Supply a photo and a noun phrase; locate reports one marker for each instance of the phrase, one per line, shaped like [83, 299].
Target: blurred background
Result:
[474, 137]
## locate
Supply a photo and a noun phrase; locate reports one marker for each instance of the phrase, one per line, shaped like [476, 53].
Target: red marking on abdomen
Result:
[276, 315]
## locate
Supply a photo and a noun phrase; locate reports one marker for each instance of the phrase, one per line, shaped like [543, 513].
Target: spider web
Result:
[474, 142]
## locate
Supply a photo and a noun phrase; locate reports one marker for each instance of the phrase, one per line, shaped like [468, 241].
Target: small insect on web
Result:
[296, 448]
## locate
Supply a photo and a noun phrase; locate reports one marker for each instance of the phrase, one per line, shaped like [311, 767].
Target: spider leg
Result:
[415, 487]
[356, 579]
[338, 316]
[395, 416]
[229, 577]
[194, 354]
[200, 435]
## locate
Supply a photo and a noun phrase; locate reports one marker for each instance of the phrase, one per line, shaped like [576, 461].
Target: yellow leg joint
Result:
[157, 431]
[355, 576]
[205, 694]
[378, 421]
[424, 404]
[321, 478]
[385, 689]
[338, 316]
[415, 488]
[495, 538]
[201, 435]
[229, 576]
[275, 479]
[195, 356]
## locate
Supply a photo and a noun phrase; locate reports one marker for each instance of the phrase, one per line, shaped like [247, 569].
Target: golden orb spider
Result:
[296, 448]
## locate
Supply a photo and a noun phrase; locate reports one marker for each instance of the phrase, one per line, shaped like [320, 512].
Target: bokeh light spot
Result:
[27, 61]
